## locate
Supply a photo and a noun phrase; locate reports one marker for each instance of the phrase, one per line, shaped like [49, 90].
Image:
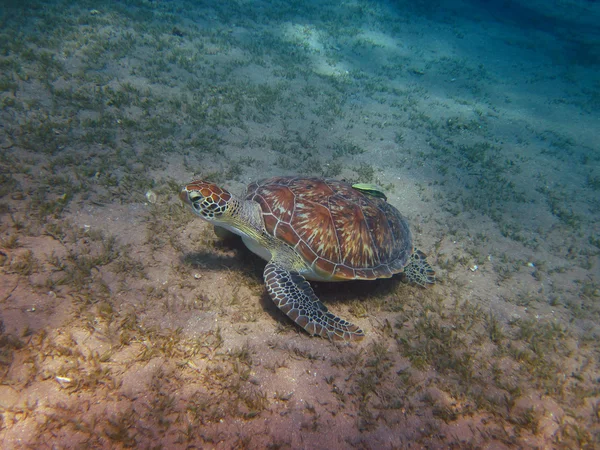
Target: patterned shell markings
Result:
[341, 231]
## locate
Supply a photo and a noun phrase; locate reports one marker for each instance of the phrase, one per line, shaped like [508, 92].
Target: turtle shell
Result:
[341, 232]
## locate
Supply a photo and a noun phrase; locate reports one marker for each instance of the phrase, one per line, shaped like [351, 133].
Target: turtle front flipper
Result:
[418, 269]
[293, 295]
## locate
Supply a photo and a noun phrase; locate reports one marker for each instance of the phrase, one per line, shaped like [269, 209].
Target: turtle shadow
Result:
[207, 260]
[341, 293]
[347, 291]
[238, 258]
[334, 295]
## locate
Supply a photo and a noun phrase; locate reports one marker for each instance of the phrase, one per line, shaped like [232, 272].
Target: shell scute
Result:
[313, 224]
[324, 266]
[285, 232]
[307, 253]
[344, 272]
[270, 223]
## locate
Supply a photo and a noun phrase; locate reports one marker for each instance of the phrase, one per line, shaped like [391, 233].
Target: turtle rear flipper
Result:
[418, 270]
[293, 295]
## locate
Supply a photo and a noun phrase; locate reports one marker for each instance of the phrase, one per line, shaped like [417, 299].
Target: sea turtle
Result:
[317, 229]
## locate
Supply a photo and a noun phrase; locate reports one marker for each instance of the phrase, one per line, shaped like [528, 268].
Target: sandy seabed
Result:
[125, 322]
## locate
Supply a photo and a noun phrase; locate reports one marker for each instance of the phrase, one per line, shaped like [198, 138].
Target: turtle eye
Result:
[193, 196]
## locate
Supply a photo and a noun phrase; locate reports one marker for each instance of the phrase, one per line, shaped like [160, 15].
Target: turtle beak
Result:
[184, 197]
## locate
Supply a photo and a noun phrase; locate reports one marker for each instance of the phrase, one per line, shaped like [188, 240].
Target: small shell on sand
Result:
[151, 196]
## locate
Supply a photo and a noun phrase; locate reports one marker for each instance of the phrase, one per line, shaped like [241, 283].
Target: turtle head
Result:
[208, 200]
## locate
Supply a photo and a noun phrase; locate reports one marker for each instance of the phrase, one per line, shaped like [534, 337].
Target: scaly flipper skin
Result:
[293, 295]
[418, 270]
